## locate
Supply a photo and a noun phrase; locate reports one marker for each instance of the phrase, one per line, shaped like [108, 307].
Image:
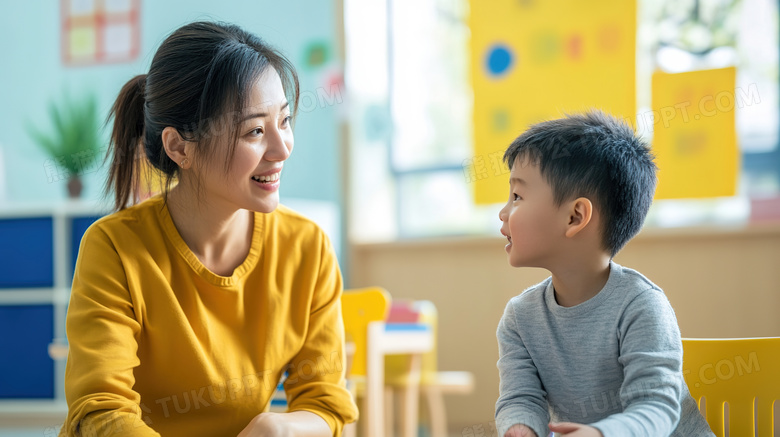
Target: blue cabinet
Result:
[26, 252]
[78, 225]
[38, 251]
[26, 371]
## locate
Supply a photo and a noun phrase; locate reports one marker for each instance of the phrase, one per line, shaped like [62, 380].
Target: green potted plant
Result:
[74, 145]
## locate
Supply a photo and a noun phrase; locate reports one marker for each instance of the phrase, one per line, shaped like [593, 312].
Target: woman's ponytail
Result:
[126, 136]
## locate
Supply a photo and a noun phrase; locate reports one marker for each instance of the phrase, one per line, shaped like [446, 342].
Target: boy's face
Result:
[530, 219]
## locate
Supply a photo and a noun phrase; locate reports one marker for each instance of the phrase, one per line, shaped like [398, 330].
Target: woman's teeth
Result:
[270, 178]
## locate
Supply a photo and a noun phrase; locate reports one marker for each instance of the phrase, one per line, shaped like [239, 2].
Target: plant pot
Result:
[74, 187]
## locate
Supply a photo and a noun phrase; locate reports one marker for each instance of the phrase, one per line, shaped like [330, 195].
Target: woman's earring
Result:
[184, 161]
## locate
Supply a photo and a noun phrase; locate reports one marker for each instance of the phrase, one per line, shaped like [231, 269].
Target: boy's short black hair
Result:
[597, 156]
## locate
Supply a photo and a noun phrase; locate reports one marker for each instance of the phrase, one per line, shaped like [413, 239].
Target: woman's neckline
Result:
[222, 281]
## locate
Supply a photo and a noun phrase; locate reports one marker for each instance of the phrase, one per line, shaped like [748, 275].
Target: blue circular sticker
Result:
[499, 59]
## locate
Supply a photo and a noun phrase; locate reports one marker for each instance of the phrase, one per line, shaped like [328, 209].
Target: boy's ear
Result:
[580, 214]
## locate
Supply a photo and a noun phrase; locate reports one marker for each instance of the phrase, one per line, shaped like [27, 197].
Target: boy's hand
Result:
[520, 431]
[568, 429]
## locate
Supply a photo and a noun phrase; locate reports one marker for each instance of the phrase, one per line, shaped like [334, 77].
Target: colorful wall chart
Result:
[694, 133]
[99, 31]
[534, 60]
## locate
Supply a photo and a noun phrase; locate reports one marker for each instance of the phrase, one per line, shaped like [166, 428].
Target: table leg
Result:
[411, 398]
[375, 381]
[436, 412]
[389, 415]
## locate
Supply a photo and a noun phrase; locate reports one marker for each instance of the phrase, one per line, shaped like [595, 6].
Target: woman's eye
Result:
[515, 197]
[286, 121]
[257, 131]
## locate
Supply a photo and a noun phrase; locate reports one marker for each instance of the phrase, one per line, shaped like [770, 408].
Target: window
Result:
[411, 121]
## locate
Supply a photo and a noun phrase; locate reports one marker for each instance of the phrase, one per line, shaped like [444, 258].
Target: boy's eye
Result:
[515, 196]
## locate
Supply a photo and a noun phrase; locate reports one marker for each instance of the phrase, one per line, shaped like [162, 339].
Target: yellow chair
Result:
[434, 384]
[744, 372]
[359, 308]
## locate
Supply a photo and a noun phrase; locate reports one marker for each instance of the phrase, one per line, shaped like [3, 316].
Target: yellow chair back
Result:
[745, 373]
[359, 308]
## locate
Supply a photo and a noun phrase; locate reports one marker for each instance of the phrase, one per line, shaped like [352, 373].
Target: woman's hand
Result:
[568, 429]
[520, 431]
[294, 424]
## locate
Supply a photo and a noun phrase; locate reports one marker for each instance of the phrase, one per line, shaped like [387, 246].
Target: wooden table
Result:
[384, 339]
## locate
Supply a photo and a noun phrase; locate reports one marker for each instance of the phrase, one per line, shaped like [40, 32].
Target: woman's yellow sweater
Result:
[161, 346]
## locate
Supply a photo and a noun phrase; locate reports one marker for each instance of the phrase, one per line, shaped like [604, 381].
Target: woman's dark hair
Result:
[199, 84]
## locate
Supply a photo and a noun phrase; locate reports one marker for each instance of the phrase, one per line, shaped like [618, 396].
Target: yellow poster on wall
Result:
[694, 134]
[535, 60]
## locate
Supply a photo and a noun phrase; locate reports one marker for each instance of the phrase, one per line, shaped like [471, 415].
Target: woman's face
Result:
[265, 141]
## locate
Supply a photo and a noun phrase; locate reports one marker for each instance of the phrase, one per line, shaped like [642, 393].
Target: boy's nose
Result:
[502, 214]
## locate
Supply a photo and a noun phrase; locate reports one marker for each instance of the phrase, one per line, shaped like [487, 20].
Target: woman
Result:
[187, 309]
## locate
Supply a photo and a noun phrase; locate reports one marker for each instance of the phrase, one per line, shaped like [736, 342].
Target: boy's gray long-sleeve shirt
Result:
[613, 362]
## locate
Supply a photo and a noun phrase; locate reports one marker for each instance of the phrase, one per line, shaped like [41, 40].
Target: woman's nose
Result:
[278, 149]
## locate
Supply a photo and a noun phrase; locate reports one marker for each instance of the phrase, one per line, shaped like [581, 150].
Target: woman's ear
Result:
[176, 148]
[580, 214]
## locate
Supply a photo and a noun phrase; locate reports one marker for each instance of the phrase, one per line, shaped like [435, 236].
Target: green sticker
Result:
[317, 54]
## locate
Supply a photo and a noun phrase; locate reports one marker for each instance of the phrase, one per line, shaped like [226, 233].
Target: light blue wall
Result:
[32, 74]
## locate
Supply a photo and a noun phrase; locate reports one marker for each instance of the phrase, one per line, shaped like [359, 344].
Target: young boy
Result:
[596, 345]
